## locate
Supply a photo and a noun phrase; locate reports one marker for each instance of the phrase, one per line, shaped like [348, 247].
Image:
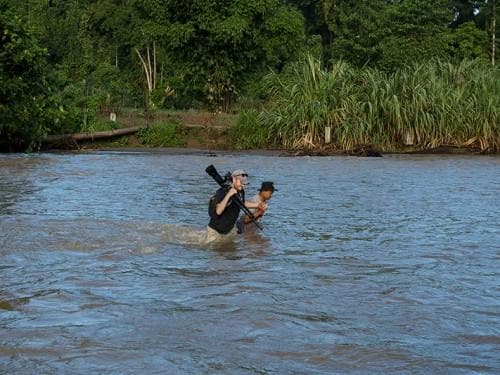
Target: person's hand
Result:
[232, 192]
[262, 206]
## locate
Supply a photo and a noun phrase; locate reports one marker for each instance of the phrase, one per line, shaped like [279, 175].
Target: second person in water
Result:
[264, 195]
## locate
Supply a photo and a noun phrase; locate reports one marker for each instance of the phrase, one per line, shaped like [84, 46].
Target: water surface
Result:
[366, 265]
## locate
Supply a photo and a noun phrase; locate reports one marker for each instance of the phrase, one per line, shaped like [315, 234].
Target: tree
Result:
[25, 93]
[486, 19]
[464, 11]
[417, 30]
[468, 41]
[356, 29]
[493, 31]
[215, 46]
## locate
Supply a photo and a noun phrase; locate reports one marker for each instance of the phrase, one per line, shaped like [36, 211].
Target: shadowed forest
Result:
[294, 74]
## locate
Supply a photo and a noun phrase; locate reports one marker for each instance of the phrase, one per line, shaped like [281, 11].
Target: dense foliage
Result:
[64, 61]
[421, 106]
[27, 100]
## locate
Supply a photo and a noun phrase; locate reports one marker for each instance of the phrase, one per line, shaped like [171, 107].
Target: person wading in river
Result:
[224, 212]
[262, 200]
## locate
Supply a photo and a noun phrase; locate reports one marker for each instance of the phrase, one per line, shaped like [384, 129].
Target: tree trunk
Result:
[154, 65]
[89, 136]
[146, 68]
[149, 71]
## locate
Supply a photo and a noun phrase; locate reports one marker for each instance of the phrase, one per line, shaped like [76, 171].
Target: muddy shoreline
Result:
[360, 152]
[207, 133]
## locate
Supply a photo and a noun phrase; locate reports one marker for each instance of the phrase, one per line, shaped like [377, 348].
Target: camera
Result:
[225, 182]
[228, 179]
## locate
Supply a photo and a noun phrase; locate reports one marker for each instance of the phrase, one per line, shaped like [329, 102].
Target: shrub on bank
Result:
[30, 103]
[249, 132]
[167, 134]
[421, 106]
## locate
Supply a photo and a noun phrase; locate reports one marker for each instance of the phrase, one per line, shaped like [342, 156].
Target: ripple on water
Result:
[386, 266]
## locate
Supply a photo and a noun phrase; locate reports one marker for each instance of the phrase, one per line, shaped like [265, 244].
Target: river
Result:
[365, 265]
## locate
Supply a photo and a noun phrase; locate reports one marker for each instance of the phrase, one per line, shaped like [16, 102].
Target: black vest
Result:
[225, 222]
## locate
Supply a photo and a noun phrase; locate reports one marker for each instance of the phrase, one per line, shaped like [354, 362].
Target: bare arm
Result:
[257, 214]
[260, 209]
[221, 206]
[252, 204]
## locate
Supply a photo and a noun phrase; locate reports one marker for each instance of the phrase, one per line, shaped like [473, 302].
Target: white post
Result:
[328, 134]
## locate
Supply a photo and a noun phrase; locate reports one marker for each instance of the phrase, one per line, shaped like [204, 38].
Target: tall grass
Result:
[421, 106]
[249, 132]
[167, 134]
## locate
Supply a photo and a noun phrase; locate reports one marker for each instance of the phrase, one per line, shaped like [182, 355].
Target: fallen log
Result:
[66, 138]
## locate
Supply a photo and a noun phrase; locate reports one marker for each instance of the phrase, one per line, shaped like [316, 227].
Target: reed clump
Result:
[418, 107]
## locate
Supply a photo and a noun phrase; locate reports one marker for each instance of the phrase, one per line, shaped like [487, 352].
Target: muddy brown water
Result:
[384, 265]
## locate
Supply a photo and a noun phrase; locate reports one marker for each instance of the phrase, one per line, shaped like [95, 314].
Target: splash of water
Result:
[184, 235]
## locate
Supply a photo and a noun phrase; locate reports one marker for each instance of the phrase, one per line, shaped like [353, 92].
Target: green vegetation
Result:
[249, 132]
[30, 103]
[424, 105]
[162, 135]
[99, 126]
[381, 71]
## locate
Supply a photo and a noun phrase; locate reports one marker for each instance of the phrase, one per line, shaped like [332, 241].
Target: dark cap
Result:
[267, 186]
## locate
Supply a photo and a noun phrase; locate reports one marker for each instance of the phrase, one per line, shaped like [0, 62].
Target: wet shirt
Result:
[256, 199]
[241, 225]
[225, 222]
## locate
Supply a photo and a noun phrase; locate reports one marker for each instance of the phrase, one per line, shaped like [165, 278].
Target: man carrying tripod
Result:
[224, 207]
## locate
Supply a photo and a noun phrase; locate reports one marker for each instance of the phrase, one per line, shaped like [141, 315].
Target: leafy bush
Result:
[424, 106]
[99, 126]
[249, 132]
[162, 135]
[27, 109]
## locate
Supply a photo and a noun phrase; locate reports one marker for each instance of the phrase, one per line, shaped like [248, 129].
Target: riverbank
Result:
[188, 129]
[191, 132]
